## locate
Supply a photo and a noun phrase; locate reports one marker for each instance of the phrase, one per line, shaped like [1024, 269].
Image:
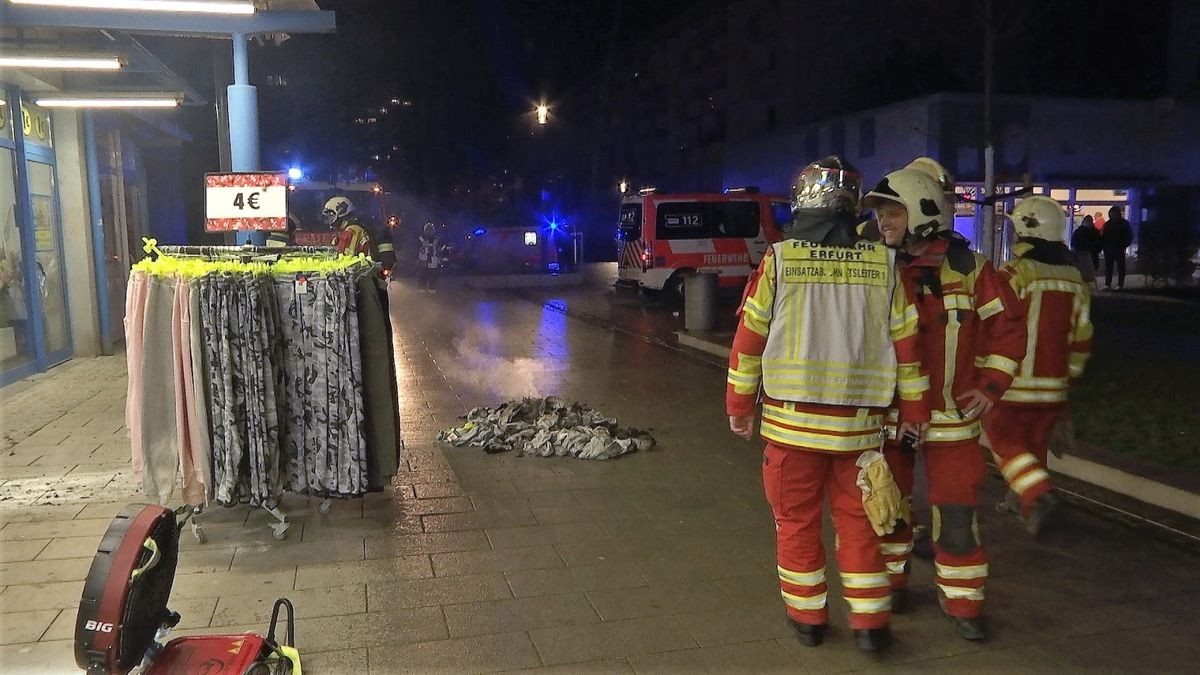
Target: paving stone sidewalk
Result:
[654, 562]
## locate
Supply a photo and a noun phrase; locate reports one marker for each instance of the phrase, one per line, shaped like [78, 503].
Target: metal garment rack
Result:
[247, 253]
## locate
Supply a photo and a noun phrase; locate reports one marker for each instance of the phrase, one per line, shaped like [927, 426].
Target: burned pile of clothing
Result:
[547, 427]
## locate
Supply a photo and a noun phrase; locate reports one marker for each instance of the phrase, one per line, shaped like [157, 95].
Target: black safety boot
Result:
[873, 639]
[1042, 514]
[968, 628]
[809, 634]
[901, 601]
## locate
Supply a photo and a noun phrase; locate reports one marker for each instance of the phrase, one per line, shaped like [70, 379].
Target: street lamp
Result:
[543, 113]
[623, 186]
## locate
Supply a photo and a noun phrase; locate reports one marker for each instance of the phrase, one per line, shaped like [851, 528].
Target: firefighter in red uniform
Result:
[827, 331]
[971, 343]
[1057, 305]
[353, 237]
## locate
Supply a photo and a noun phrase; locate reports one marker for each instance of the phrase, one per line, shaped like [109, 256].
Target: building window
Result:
[837, 140]
[866, 137]
[276, 81]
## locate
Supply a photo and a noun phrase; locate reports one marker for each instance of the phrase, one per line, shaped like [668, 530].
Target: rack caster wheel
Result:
[280, 531]
[198, 533]
[325, 507]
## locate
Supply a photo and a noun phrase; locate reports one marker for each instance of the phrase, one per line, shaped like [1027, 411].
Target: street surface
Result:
[654, 562]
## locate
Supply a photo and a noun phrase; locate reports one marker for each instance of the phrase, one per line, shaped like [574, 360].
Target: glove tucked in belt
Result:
[881, 497]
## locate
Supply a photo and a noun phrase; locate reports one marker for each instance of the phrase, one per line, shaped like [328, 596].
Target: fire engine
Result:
[664, 238]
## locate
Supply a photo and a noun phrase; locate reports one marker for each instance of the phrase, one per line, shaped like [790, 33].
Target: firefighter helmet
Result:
[1040, 217]
[932, 168]
[829, 183]
[919, 194]
[335, 209]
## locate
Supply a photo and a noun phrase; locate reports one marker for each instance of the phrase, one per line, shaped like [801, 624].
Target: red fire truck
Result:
[664, 238]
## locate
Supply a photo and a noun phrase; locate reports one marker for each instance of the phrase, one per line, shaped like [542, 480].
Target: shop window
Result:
[1060, 194]
[5, 118]
[16, 342]
[35, 122]
[1084, 195]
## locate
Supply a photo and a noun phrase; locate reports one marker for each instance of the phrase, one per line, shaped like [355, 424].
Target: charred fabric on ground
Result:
[547, 427]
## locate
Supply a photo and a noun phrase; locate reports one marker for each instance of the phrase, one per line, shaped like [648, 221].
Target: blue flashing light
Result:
[553, 222]
[554, 267]
[295, 173]
[479, 231]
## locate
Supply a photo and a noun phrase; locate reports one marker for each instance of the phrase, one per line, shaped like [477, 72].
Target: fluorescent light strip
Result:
[61, 62]
[187, 6]
[68, 102]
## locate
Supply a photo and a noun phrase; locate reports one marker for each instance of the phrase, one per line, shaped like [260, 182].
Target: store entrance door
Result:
[50, 289]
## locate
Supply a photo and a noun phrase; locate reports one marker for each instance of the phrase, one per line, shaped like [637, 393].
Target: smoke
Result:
[478, 366]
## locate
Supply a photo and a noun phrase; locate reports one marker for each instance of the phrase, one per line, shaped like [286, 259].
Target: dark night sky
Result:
[477, 65]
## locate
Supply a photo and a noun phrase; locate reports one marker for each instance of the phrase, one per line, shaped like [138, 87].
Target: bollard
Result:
[700, 301]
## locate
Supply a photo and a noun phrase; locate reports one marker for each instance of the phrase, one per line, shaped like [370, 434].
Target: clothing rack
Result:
[245, 254]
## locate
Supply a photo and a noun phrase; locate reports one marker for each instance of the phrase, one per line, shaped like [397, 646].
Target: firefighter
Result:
[280, 239]
[353, 237]
[431, 252]
[971, 342]
[1044, 279]
[828, 332]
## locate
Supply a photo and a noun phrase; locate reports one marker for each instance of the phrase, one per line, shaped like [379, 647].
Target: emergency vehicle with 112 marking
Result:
[664, 238]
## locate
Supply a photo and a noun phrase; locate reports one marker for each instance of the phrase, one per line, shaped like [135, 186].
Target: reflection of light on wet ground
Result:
[552, 335]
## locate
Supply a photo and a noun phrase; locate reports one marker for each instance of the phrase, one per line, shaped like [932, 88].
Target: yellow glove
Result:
[881, 497]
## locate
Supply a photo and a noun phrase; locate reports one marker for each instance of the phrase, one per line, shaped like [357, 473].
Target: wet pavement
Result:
[654, 562]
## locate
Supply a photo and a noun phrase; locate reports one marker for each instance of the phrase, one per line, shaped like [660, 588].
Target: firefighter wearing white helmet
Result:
[971, 343]
[353, 237]
[934, 169]
[1039, 217]
[1045, 281]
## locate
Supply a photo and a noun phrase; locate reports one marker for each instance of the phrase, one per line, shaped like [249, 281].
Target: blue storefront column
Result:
[96, 218]
[243, 124]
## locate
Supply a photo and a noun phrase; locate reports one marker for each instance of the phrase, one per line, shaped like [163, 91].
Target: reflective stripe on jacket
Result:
[794, 343]
[1057, 307]
[971, 338]
[353, 239]
[830, 338]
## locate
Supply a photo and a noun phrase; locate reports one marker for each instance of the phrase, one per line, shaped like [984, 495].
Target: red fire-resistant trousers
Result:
[955, 473]
[1020, 437]
[796, 481]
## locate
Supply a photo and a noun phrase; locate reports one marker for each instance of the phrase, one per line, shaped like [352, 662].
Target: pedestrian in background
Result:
[1117, 236]
[829, 333]
[1086, 244]
[430, 250]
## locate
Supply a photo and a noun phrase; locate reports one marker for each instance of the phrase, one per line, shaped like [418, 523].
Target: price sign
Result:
[245, 201]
